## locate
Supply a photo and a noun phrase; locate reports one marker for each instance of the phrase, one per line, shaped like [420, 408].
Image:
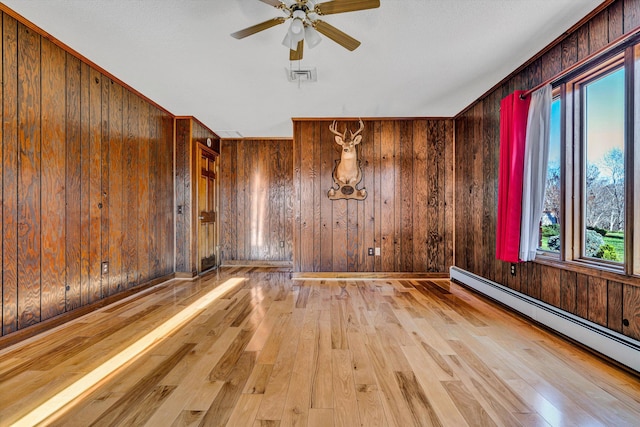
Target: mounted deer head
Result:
[341, 138]
[347, 173]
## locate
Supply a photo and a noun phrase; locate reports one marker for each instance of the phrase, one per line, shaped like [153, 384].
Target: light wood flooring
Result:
[277, 352]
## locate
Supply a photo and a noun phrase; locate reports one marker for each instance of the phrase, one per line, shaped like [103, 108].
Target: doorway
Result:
[207, 206]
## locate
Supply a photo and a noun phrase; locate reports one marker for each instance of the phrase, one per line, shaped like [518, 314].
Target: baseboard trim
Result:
[620, 348]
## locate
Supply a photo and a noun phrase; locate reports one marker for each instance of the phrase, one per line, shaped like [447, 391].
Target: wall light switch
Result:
[377, 251]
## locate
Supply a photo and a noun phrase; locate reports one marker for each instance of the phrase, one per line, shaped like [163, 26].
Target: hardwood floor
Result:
[273, 351]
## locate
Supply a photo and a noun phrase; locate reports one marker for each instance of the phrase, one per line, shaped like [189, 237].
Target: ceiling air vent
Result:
[302, 75]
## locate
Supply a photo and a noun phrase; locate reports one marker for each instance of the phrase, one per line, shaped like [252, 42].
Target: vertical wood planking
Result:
[614, 305]
[29, 178]
[84, 183]
[448, 236]
[387, 196]
[73, 184]
[295, 199]
[587, 295]
[182, 193]
[130, 188]
[368, 225]
[142, 159]
[168, 192]
[582, 295]
[242, 229]
[288, 195]
[104, 185]
[463, 143]
[631, 311]
[9, 175]
[339, 235]
[377, 185]
[95, 186]
[631, 14]
[228, 212]
[317, 200]
[53, 180]
[155, 194]
[397, 197]
[598, 300]
[326, 149]
[489, 201]
[307, 174]
[421, 172]
[407, 170]
[398, 158]
[568, 291]
[1, 183]
[115, 189]
[599, 31]
[62, 215]
[616, 20]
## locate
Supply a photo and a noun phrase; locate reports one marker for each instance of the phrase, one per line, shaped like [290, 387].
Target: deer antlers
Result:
[343, 135]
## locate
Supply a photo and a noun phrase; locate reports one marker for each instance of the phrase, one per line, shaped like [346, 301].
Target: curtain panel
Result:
[536, 157]
[513, 127]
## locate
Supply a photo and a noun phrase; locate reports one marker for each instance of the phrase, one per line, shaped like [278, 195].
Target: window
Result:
[591, 200]
[602, 180]
[550, 220]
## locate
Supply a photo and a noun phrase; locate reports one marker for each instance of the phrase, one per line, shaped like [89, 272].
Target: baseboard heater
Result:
[622, 349]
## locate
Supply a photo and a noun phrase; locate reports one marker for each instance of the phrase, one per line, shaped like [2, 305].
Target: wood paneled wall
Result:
[408, 213]
[605, 299]
[86, 179]
[256, 200]
[189, 133]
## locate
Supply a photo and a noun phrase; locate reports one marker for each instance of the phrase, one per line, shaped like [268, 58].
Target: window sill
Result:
[589, 269]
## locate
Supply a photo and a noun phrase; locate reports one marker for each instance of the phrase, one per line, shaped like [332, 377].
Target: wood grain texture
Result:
[256, 200]
[116, 194]
[94, 190]
[631, 311]
[53, 274]
[29, 178]
[9, 176]
[66, 204]
[73, 175]
[408, 173]
[1, 186]
[581, 290]
[191, 135]
[276, 365]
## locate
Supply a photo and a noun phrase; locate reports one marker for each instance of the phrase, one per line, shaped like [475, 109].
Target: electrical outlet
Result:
[105, 267]
[377, 251]
[282, 243]
[513, 269]
[180, 210]
[370, 251]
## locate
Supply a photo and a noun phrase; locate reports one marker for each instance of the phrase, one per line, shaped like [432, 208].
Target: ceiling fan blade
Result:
[296, 55]
[274, 3]
[340, 6]
[258, 27]
[336, 35]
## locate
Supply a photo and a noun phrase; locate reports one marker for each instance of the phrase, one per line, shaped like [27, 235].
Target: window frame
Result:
[572, 164]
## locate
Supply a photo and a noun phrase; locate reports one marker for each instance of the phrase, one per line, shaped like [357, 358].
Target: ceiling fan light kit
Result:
[306, 25]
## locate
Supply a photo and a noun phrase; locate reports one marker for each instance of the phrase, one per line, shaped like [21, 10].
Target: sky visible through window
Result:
[606, 119]
[605, 113]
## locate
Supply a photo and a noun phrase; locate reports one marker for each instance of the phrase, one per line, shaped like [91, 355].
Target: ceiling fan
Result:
[306, 25]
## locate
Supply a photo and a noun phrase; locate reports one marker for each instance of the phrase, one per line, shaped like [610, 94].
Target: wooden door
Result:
[207, 206]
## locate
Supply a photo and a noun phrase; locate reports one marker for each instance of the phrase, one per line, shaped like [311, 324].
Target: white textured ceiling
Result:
[418, 58]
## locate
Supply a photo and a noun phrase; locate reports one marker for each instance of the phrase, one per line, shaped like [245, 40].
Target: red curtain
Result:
[513, 129]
